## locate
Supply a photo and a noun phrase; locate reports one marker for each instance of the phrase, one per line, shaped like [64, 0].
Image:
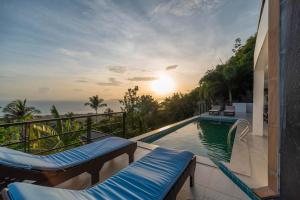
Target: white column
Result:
[258, 102]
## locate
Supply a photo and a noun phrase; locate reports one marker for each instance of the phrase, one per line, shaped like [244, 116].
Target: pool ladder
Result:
[245, 130]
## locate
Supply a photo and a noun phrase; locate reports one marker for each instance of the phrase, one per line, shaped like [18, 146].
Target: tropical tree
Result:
[18, 110]
[179, 106]
[212, 85]
[130, 100]
[147, 109]
[129, 105]
[67, 131]
[232, 80]
[220, 82]
[108, 110]
[64, 132]
[95, 103]
[69, 114]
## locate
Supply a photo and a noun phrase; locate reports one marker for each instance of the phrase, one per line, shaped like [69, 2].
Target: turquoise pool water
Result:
[203, 137]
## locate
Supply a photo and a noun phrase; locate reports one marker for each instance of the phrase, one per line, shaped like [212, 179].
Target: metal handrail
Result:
[87, 127]
[245, 130]
[60, 118]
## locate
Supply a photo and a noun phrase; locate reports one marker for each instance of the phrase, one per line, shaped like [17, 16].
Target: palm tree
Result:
[72, 127]
[95, 102]
[108, 110]
[18, 110]
[66, 132]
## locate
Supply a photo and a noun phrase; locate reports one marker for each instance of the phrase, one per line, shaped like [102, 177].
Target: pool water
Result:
[204, 138]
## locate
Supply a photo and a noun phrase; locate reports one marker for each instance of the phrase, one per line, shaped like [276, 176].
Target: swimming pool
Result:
[202, 137]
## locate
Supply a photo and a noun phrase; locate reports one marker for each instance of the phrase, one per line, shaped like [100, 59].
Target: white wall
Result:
[261, 32]
[258, 102]
[260, 63]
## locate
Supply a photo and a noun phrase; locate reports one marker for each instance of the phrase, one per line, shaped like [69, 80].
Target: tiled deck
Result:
[210, 182]
[249, 162]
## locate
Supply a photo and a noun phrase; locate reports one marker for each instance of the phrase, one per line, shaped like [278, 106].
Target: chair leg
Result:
[131, 157]
[94, 176]
[192, 172]
[192, 180]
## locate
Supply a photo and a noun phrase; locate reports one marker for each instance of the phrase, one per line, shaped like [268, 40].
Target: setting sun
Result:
[164, 85]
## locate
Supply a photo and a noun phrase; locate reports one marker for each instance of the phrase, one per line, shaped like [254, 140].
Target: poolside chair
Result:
[215, 110]
[229, 111]
[158, 175]
[56, 168]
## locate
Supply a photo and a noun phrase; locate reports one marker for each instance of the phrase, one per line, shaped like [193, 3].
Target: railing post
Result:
[124, 124]
[28, 136]
[24, 136]
[88, 129]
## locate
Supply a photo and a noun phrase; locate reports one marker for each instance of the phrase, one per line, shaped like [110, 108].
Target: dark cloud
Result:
[118, 69]
[185, 8]
[171, 67]
[43, 90]
[81, 81]
[145, 78]
[111, 82]
[6, 77]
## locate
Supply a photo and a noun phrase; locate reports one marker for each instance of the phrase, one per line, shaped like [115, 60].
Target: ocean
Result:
[63, 107]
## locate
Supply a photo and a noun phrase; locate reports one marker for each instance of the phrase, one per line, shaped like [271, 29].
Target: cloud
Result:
[185, 7]
[43, 90]
[145, 78]
[110, 33]
[81, 81]
[117, 69]
[171, 67]
[77, 90]
[72, 53]
[6, 77]
[111, 82]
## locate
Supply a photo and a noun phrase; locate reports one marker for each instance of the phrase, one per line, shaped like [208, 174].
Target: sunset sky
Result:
[70, 50]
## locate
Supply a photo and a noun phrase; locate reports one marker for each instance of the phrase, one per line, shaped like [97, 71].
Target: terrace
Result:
[254, 159]
[210, 181]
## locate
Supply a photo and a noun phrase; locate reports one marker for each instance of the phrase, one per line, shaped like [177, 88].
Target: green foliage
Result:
[147, 110]
[232, 80]
[141, 111]
[61, 133]
[144, 113]
[9, 134]
[18, 110]
[179, 106]
[130, 100]
[67, 131]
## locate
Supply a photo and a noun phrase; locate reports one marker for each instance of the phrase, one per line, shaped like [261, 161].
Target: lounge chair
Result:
[229, 111]
[215, 110]
[56, 168]
[158, 175]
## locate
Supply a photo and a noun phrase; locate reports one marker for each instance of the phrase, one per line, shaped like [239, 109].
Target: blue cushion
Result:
[62, 160]
[149, 178]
